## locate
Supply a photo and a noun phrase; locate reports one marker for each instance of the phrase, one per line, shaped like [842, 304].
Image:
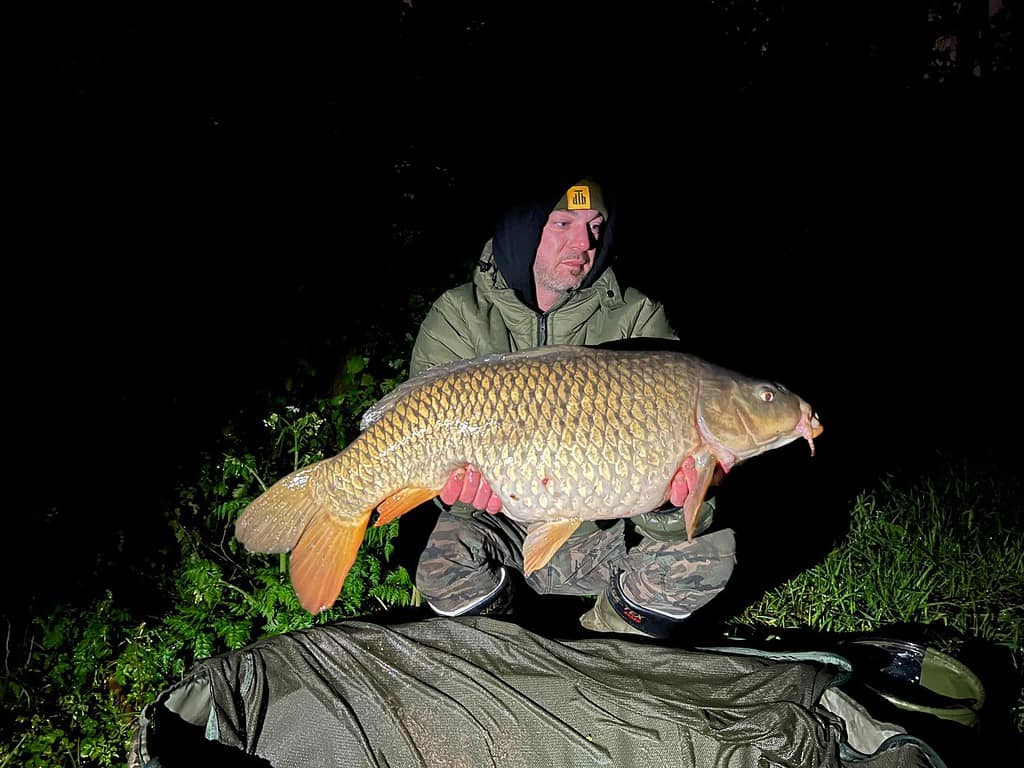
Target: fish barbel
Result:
[562, 434]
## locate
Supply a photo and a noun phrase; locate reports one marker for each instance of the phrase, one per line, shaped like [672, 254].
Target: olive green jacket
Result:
[486, 316]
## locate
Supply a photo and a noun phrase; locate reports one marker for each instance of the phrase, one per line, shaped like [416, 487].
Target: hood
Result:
[518, 232]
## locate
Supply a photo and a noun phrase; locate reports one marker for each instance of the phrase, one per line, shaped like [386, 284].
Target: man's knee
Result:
[677, 579]
[455, 573]
[669, 525]
[703, 571]
[480, 592]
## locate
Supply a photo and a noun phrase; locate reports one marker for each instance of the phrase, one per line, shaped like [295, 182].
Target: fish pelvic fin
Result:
[323, 557]
[401, 501]
[543, 540]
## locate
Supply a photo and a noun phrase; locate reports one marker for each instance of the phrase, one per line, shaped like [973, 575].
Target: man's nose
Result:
[579, 236]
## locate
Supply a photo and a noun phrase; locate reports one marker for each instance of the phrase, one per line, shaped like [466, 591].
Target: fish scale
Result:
[561, 434]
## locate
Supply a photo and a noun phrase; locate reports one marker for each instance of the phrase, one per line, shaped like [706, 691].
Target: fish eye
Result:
[766, 394]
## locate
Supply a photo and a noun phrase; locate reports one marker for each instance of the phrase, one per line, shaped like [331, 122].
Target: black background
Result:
[199, 200]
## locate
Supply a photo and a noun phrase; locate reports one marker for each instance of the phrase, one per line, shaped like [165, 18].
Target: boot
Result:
[603, 618]
[614, 612]
[500, 603]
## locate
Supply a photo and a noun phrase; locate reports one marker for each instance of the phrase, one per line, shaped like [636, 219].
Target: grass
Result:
[943, 550]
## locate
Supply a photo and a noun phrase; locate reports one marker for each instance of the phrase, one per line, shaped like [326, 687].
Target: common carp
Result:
[563, 434]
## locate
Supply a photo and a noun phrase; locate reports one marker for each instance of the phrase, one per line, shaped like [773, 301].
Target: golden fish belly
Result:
[546, 451]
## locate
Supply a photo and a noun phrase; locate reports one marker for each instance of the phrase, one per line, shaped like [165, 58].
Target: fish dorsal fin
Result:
[388, 402]
[543, 540]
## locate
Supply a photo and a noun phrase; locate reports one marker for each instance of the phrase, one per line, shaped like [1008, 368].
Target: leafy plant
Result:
[84, 673]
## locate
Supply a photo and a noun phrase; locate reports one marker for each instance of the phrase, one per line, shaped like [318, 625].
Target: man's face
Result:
[565, 255]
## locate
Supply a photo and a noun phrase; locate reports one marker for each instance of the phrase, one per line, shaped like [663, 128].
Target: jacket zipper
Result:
[542, 329]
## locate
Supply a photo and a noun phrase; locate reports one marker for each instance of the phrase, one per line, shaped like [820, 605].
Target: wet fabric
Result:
[476, 691]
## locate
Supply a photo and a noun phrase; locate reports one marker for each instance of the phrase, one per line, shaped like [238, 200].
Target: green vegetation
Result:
[940, 549]
[943, 550]
[76, 680]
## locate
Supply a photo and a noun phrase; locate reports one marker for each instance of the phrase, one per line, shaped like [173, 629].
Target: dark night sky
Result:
[200, 194]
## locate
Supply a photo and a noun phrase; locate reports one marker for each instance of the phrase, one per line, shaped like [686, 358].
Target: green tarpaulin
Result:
[475, 692]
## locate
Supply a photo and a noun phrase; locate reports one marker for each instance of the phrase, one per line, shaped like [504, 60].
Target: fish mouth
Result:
[809, 427]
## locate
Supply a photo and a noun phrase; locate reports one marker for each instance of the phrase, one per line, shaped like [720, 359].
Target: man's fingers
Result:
[678, 489]
[468, 485]
[483, 495]
[471, 485]
[450, 490]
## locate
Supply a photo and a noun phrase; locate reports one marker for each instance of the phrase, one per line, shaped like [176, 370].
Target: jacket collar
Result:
[488, 278]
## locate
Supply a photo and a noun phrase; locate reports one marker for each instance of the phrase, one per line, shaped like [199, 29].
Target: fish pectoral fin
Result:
[700, 481]
[323, 556]
[543, 540]
[401, 501]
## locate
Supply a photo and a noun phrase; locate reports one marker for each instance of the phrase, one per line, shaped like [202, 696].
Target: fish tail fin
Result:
[323, 556]
[275, 520]
[323, 529]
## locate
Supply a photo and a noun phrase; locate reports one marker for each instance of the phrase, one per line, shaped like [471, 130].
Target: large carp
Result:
[562, 434]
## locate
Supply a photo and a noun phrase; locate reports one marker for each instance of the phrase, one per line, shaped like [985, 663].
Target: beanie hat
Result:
[520, 224]
[585, 194]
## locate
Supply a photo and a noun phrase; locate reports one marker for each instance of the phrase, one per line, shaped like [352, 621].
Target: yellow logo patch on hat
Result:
[578, 197]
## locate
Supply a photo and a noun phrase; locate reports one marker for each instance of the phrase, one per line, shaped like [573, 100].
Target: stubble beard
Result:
[562, 284]
[560, 279]
[576, 274]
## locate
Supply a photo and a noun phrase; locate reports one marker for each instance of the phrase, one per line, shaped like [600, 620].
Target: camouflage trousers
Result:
[463, 565]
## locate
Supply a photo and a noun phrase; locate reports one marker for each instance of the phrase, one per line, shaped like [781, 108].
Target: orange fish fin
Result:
[704, 466]
[400, 502]
[275, 521]
[543, 540]
[321, 560]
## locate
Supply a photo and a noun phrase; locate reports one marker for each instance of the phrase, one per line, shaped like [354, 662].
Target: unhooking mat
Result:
[474, 691]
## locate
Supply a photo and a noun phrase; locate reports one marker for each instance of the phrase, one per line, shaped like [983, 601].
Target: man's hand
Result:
[468, 485]
[679, 488]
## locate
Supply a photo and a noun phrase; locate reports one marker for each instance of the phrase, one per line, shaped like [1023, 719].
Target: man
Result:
[545, 278]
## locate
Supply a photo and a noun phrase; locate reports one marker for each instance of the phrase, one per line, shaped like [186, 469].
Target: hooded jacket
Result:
[497, 310]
